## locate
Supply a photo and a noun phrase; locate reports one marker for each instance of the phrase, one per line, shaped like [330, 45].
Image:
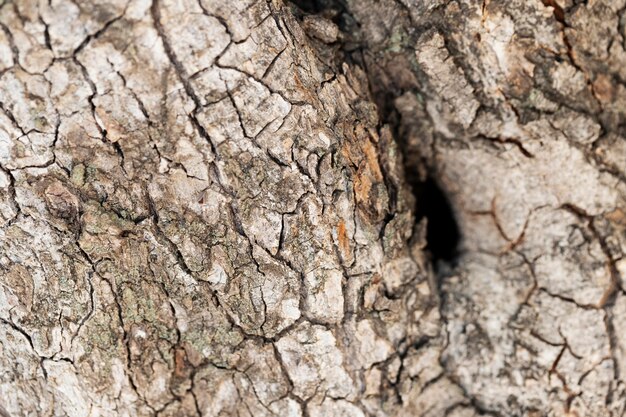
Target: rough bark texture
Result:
[216, 207]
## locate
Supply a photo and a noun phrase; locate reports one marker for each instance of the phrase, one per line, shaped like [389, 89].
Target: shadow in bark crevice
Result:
[442, 232]
[333, 10]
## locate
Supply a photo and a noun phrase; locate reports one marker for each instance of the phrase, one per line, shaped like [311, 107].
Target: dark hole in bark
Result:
[442, 233]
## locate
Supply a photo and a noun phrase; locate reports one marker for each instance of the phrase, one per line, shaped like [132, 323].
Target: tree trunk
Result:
[317, 208]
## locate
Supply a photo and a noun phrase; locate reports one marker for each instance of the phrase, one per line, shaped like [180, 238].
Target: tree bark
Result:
[317, 208]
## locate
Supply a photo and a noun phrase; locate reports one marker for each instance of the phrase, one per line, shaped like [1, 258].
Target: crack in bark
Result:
[389, 302]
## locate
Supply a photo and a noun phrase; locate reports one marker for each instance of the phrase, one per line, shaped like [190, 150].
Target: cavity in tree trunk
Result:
[316, 208]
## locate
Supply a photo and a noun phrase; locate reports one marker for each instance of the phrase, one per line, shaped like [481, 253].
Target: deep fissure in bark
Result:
[442, 232]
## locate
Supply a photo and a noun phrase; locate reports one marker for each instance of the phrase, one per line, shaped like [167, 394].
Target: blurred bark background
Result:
[312, 208]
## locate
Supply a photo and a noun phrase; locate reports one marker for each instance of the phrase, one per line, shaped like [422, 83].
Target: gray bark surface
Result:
[221, 208]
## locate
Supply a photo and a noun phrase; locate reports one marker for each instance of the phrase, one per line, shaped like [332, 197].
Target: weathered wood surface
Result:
[216, 207]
